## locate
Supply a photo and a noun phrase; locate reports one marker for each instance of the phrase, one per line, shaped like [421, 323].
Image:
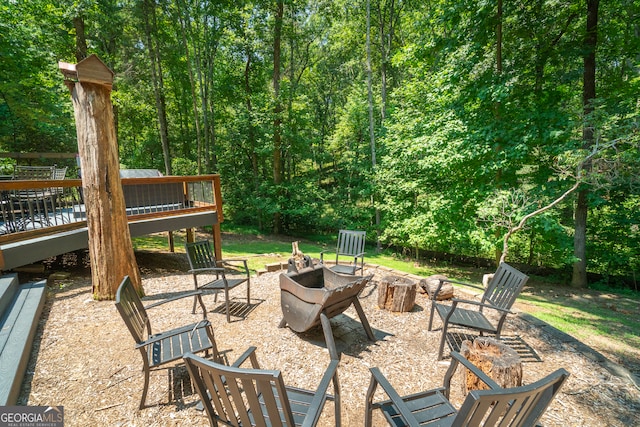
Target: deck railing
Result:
[32, 208]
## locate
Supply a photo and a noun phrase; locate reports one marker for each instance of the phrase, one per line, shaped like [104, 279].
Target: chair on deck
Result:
[221, 275]
[350, 244]
[513, 407]
[258, 397]
[499, 296]
[161, 348]
[33, 172]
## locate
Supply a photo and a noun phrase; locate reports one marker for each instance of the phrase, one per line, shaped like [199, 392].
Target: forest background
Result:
[435, 126]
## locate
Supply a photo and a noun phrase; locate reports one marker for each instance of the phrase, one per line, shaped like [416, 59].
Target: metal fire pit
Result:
[314, 295]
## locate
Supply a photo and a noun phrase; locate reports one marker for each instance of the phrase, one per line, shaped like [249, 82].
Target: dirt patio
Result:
[83, 356]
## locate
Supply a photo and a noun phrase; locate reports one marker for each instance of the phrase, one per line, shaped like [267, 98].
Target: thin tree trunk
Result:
[277, 121]
[372, 136]
[81, 40]
[579, 277]
[497, 106]
[158, 82]
[192, 82]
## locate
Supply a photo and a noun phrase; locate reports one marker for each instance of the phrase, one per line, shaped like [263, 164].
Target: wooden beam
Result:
[11, 155]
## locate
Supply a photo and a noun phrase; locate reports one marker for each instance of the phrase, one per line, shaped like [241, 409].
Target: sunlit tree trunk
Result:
[277, 121]
[110, 247]
[579, 277]
[149, 16]
[372, 137]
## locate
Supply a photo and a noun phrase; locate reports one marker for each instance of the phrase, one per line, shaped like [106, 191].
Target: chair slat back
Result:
[200, 254]
[514, 407]
[351, 242]
[132, 311]
[33, 172]
[505, 286]
[240, 396]
[59, 173]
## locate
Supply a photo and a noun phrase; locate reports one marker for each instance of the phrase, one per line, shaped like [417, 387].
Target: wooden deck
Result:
[41, 219]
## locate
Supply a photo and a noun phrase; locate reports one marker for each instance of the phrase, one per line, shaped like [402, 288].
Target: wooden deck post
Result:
[110, 246]
[217, 233]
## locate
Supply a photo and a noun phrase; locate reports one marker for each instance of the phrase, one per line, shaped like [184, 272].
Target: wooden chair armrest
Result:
[229, 262]
[404, 410]
[477, 372]
[461, 283]
[206, 270]
[457, 301]
[164, 301]
[320, 396]
[250, 354]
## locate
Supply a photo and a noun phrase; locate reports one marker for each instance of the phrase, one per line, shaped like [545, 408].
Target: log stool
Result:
[396, 294]
[430, 285]
[499, 361]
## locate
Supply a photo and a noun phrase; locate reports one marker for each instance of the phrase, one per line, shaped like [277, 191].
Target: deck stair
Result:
[20, 309]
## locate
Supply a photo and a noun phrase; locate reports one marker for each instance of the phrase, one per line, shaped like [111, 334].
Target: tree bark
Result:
[110, 246]
[81, 40]
[579, 278]
[372, 136]
[158, 83]
[277, 121]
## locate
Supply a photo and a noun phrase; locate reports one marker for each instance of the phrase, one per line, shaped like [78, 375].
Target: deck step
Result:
[18, 323]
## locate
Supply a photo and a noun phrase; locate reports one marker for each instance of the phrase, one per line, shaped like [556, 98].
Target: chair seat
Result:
[467, 318]
[430, 406]
[299, 401]
[175, 343]
[343, 269]
[218, 284]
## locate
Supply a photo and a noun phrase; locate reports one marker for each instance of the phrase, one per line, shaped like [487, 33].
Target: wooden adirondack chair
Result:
[257, 397]
[350, 245]
[158, 349]
[512, 407]
[500, 294]
[221, 275]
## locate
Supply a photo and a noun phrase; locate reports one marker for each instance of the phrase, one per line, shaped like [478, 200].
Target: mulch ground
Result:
[83, 356]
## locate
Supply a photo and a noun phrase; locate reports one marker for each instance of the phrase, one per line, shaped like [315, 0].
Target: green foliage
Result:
[458, 131]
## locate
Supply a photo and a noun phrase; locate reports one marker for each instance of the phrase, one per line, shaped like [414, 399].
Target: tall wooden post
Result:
[110, 246]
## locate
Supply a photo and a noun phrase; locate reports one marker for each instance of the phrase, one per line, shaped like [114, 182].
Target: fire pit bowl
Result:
[314, 295]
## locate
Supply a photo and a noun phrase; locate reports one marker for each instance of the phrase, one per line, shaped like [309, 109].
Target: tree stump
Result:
[500, 362]
[430, 285]
[396, 294]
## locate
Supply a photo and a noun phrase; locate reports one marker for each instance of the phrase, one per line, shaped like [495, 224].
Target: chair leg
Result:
[337, 404]
[368, 414]
[433, 306]
[226, 297]
[442, 340]
[145, 388]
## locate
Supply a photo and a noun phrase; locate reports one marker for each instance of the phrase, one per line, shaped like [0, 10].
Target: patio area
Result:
[84, 359]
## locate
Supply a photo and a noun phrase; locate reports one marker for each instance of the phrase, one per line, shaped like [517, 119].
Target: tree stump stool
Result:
[430, 285]
[396, 294]
[499, 361]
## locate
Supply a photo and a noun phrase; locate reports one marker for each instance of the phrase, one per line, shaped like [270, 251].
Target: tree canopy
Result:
[479, 115]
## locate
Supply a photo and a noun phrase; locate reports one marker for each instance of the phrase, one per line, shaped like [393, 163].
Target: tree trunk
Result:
[81, 40]
[372, 137]
[498, 106]
[184, 21]
[579, 278]
[277, 121]
[158, 83]
[110, 246]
